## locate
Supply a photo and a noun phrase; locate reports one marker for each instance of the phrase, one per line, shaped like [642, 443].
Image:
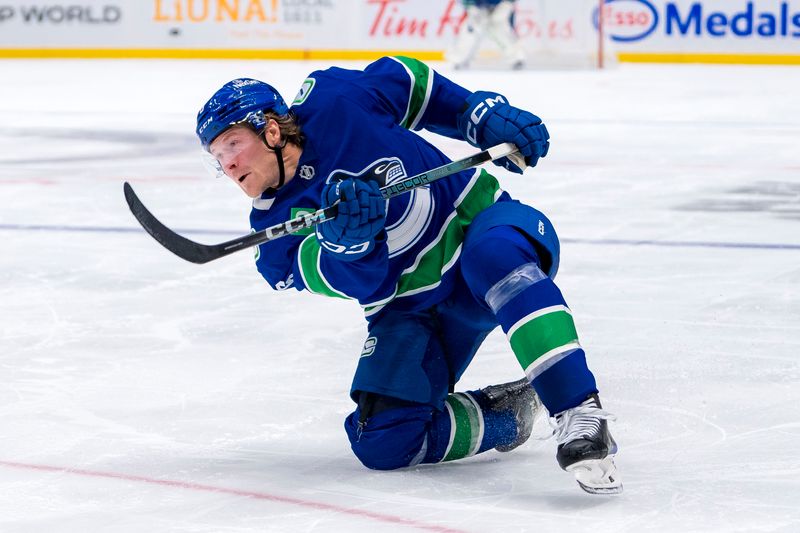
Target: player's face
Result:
[244, 158]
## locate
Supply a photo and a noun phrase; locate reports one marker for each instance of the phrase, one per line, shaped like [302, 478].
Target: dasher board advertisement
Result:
[654, 30]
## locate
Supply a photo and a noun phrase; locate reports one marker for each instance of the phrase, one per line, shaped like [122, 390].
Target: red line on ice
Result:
[235, 492]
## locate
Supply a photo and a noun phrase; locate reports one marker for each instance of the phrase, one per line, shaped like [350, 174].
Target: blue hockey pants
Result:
[407, 412]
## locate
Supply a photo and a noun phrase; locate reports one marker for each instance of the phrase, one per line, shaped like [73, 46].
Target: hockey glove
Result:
[489, 120]
[362, 213]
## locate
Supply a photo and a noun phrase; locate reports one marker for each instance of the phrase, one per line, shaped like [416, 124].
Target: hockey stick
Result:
[203, 253]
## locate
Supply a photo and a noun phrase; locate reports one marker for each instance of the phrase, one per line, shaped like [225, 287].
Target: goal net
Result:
[554, 34]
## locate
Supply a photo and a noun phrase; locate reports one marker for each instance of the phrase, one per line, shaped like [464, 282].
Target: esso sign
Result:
[629, 20]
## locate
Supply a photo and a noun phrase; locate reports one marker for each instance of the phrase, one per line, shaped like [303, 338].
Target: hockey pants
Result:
[501, 284]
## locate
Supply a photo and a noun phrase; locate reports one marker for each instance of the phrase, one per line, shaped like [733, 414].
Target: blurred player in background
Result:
[494, 18]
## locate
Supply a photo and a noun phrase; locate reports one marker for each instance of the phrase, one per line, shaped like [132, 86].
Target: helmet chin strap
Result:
[278, 150]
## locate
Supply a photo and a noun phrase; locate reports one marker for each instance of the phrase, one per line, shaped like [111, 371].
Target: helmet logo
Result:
[257, 119]
[243, 100]
[243, 82]
[205, 124]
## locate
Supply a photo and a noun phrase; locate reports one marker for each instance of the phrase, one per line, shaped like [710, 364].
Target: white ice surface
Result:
[142, 393]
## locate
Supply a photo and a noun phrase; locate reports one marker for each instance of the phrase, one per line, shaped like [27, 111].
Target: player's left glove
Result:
[361, 217]
[489, 120]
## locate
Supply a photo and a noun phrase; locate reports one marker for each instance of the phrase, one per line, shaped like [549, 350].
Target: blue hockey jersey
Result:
[352, 120]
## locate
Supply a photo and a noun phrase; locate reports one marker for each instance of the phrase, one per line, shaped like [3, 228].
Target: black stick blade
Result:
[177, 244]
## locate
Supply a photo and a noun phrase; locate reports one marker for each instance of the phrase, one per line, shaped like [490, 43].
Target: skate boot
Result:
[586, 448]
[519, 397]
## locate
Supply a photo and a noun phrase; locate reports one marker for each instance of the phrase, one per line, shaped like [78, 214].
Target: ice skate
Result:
[520, 397]
[586, 448]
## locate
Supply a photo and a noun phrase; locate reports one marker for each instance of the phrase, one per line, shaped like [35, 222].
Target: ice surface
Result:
[141, 393]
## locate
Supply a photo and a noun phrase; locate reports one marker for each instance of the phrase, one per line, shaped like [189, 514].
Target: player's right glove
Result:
[361, 217]
[489, 120]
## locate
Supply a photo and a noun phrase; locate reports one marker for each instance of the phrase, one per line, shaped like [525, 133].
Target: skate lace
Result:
[579, 422]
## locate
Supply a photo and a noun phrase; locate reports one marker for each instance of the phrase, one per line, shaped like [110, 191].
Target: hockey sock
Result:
[539, 326]
[414, 433]
[502, 268]
[466, 427]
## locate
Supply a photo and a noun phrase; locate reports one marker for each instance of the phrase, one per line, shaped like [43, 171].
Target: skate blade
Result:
[597, 476]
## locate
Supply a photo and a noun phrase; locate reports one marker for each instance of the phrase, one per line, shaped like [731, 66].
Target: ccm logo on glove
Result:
[489, 120]
[477, 114]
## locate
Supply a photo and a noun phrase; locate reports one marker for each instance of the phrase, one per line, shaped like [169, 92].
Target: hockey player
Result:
[494, 18]
[435, 270]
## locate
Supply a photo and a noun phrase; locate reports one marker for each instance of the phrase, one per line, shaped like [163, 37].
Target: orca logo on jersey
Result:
[384, 172]
[389, 172]
[404, 227]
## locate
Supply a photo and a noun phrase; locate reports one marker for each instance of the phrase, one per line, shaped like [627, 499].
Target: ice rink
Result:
[141, 393]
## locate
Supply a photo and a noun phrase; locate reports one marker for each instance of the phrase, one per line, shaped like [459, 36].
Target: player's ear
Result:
[272, 133]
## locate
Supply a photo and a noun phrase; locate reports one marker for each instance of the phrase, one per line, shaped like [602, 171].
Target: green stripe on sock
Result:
[309, 255]
[542, 333]
[419, 92]
[466, 430]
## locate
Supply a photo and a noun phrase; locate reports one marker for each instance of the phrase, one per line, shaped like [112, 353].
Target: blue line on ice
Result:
[233, 234]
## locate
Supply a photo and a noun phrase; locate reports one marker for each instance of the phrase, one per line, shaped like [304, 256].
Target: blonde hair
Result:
[290, 129]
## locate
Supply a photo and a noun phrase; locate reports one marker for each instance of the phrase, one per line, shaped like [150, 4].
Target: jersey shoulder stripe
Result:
[421, 85]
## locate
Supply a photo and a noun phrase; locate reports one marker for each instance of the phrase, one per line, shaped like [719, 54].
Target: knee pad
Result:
[489, 257]
[532, 223]
[391, 439]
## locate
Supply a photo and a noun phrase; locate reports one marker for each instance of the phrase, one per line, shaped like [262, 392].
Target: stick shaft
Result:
[203, 253]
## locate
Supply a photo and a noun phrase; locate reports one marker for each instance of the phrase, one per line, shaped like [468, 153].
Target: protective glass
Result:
[212, 165]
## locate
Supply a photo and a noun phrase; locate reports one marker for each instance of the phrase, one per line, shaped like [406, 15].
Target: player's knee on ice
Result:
[399, 434]
[391, 438]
